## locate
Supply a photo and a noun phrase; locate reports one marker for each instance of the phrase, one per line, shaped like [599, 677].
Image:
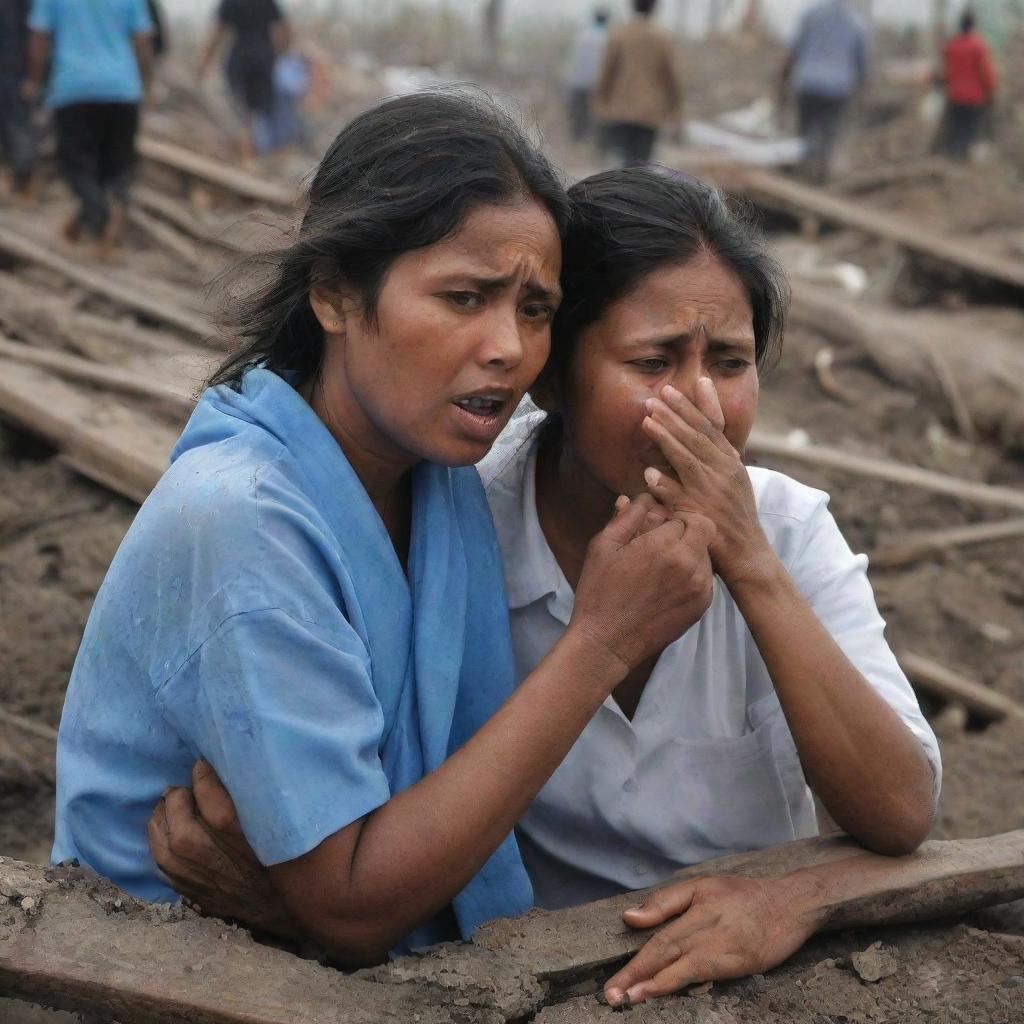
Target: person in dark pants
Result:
[17, 139]
[826, 66]
[101, 55]
[260, 34]
[970, 81]
[640, 88]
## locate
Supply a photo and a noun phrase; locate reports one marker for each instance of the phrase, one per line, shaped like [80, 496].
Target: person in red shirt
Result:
[970, 81]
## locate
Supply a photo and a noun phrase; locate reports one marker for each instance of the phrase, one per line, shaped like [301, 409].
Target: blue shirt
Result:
[256, 614]
[830, 51]
[93, 48]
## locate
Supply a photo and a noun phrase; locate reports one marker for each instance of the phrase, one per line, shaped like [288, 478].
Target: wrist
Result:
[809, 898]
[593, 658]
[751, 565]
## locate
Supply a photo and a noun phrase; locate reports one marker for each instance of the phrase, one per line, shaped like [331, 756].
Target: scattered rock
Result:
[874, 963]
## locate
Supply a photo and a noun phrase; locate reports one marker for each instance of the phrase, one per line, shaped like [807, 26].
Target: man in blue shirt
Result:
[827, 64]
[101, 55]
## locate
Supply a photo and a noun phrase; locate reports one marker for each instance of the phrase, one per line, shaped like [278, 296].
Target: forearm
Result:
[210, 48]
[421, 848]
[281, 36]
[867, 767]
[144, 59]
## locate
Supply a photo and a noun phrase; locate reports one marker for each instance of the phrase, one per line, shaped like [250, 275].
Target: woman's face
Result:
[462, 330]
[679, 324]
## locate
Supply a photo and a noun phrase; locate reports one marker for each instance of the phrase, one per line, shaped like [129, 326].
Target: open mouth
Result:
[485, 408]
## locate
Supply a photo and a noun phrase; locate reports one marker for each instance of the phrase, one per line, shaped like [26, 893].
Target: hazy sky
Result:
[780, 12]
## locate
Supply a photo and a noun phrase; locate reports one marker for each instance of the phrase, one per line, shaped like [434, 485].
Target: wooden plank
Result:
[181, 217]
[108, 442]
[112, 378]
[241, 183]
[826, 457]
[920, 545]
[939, 681]
[770, 189]
[942, 879]
[110, 285]
[165, 236]
[73, 942]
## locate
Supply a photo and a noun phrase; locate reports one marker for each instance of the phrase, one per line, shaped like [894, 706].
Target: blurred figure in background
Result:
[17, 138]
[969, 79]
[640, 88]
[100, 58]
[826, 66]
[584, 68]
[260, 33]
[161, 42]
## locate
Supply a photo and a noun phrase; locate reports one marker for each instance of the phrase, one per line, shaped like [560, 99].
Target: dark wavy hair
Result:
[627, 223]
[401, 176]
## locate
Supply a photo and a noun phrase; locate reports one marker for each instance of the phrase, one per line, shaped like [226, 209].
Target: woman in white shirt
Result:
[672, 305]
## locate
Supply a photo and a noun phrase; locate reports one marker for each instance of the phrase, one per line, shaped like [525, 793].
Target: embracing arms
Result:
[368, 885]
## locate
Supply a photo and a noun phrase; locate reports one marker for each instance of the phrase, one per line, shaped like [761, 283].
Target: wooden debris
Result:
[962, 415]
[28, 725]
[166, 237]
[872, 178]
[824, 359]
[920, 545]
[940, 880]
[118, 287]
[775, 445]
[181, 217]
[770, 189]
[936, 680]
[111, 378]
[103, 439]
[76, 943]
[241, 183]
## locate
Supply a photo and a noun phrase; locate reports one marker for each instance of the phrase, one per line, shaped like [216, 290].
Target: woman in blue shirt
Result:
[311, 599]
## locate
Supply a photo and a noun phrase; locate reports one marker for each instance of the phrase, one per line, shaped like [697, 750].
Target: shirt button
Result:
[630, 786]
[639, 869]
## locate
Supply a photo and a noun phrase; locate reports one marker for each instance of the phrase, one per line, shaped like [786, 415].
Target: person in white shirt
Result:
[787, 679]
[784, 687]
[581, 76]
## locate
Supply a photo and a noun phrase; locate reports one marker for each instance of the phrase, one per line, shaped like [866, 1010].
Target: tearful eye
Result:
[654, 364]
[465, 300]
[537, 311]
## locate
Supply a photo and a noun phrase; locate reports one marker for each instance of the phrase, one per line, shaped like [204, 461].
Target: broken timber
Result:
[775, 191]
[939, 681]
[100, 438]
[920, 545]
[72, 941]
[116, 288]
[241, 183]
[825, 457]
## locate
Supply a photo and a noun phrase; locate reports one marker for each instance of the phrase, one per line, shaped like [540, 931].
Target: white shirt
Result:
[707, 766]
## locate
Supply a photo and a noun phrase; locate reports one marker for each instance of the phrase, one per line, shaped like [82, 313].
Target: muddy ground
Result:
[58, 533]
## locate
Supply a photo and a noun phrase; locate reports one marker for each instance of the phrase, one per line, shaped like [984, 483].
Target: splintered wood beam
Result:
[241, 183]
[102, 438]
[117, 287]
[921, 545]
[176, 213]
[826, 457]
[770, 189]
[943, 878]
[78, 944]
[111, 378]
[937, 680]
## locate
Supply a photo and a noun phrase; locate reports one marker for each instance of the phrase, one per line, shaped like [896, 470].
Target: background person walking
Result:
[970, 84]
[584, 67]
[640, 88]
[827, 65]
[260, 34]
[17, 140]
[101, 57]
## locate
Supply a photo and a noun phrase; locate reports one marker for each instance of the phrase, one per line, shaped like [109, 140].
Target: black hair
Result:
[644, 6]
[401, 176]
[967, 21]
[630, 222]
